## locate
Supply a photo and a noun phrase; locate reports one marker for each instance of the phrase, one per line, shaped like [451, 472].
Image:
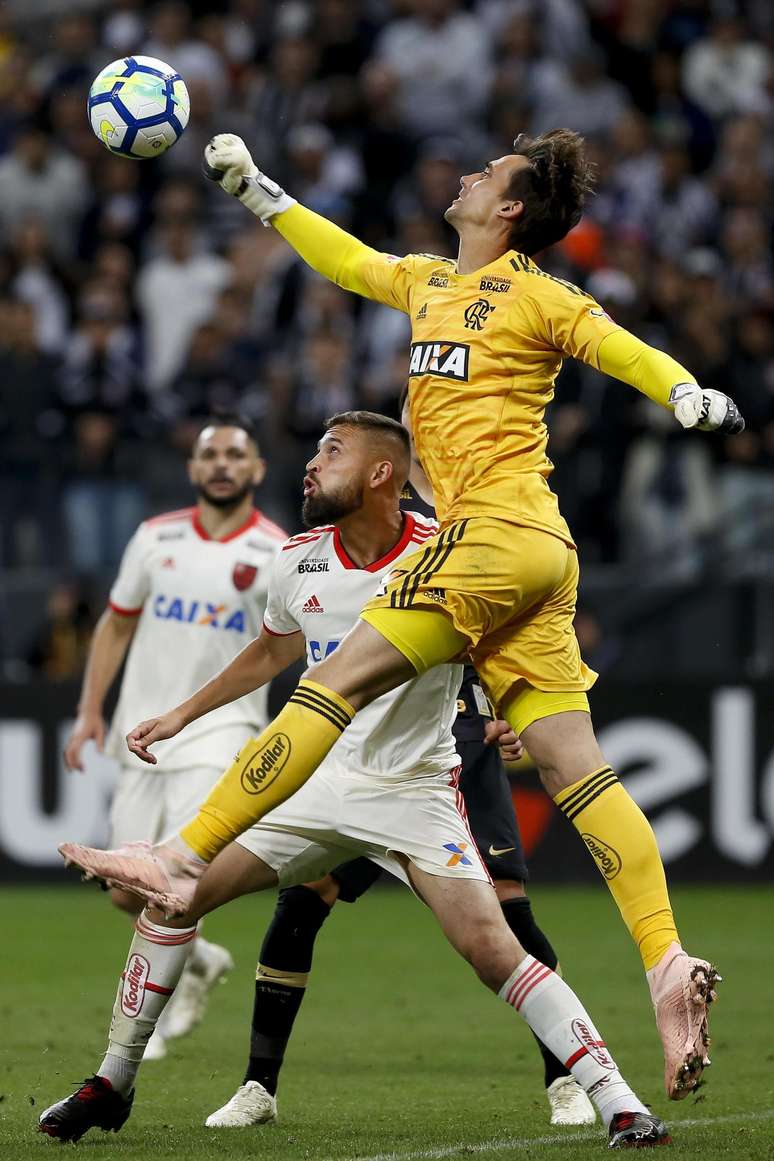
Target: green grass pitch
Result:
[399, 1053]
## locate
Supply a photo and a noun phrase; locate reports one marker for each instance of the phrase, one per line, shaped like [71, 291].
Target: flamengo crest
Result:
[243, 576]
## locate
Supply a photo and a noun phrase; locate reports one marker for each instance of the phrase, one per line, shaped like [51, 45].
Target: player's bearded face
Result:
[332, 503]
[223, 467]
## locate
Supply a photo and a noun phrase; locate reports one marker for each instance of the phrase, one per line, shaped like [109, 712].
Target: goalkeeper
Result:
[499, 582]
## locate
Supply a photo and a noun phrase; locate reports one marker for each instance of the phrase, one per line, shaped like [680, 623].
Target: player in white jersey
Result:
[388, 791]
[190, 593]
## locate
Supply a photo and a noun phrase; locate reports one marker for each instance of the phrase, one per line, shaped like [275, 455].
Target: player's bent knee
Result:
[327, 888]
[492, 951]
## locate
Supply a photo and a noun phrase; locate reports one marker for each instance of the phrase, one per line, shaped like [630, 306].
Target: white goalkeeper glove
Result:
[704, 409]
[227, 161]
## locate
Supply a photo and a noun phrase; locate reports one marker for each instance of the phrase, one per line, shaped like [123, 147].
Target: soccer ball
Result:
[138, 106]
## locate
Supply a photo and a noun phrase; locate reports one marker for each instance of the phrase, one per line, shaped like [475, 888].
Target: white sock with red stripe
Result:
[557, 1017]
[156, 960]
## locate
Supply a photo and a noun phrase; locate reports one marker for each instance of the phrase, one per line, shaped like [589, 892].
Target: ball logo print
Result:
[138, 106]
[263, 767]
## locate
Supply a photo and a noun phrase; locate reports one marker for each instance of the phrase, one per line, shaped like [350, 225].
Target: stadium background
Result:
[135, 297]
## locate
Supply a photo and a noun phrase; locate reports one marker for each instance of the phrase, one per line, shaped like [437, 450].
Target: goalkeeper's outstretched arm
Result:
[660, 377]
[323, 245]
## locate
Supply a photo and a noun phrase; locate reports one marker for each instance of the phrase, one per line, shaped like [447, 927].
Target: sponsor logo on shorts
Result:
[503, 851]
[437, 595]
[595, 1048]
[133, 990]
[458, 856]
[264, 765]
[446, 360]
[608, 860]
[313, 565]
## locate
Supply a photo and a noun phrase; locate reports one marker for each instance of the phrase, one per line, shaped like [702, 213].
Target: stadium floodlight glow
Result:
[138, 107]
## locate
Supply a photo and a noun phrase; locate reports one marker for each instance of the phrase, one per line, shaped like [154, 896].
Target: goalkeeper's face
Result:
[225, 466]
[335, 478]
[483, 200]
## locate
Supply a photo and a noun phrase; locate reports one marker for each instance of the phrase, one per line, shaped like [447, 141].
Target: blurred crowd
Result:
[135, 297]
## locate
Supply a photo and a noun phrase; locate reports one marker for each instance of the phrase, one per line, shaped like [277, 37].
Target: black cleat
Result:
[637, 1131]
[95, 1105]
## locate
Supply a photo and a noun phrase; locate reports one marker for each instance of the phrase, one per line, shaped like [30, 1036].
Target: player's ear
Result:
[259, 472]
[383, 471]
[511, 210]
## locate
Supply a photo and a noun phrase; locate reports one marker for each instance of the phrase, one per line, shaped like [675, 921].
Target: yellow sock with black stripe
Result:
[269, 768]
[624, 848]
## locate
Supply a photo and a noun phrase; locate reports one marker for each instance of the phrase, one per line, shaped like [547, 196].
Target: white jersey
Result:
[199, 602]
[316, 588]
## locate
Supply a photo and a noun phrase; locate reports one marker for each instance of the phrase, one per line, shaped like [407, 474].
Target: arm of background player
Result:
[108, 648]
[343, 259]
[257, 664]
[651, 371]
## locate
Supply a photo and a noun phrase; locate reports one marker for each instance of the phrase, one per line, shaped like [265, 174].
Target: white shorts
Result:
[339, 814]
[154, 804]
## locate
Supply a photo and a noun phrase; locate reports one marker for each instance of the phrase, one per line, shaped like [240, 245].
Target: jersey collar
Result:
[201, 531]
[375, 566]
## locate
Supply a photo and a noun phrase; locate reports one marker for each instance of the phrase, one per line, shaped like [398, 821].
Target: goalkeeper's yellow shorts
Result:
[505, 595]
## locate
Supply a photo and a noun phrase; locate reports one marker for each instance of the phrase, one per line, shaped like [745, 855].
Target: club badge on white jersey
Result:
[198, 602]
[316, 588]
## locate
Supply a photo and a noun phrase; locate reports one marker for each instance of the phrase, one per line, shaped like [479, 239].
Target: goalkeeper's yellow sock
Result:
[270, 768]
[624, 847]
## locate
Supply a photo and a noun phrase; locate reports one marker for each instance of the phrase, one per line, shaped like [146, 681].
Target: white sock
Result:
[557, 1017]
[156, 960]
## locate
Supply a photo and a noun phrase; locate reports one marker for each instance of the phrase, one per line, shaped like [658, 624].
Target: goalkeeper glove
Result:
[227, 161]
[704, 409]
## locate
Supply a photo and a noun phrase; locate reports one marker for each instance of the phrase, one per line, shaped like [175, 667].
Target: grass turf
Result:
[398, 1051]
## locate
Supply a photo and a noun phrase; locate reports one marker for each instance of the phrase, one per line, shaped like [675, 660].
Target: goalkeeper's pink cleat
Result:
[159, 874]
[682, 988]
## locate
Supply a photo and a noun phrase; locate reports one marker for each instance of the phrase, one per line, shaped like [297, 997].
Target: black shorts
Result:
[487, 793]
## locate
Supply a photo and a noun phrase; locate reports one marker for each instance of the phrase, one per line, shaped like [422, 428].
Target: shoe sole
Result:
[702, 993]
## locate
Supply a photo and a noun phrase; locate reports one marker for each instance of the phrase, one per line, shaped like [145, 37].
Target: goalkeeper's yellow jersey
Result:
[485, 352]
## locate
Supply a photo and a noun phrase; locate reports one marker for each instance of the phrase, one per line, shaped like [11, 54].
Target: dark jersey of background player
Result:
[286, 953]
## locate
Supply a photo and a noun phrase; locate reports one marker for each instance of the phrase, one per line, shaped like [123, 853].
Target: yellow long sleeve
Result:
[652, 372]
[343, 259]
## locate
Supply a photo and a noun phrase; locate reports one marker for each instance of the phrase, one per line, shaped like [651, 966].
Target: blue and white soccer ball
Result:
[138, 106]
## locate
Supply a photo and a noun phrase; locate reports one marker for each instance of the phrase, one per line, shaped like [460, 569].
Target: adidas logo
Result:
[313, 606]
[422, 312]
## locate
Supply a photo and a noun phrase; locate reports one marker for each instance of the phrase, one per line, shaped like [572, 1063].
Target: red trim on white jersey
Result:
[376, 565]
[268, 526]
[274, 633]
[302, 538]
[180, 514]
[200, 530]
[124, 612]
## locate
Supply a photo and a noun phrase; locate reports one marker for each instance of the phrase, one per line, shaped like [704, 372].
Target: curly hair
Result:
[553, 188]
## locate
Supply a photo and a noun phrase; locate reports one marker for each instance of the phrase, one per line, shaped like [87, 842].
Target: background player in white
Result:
[388, 790]
[190, 593]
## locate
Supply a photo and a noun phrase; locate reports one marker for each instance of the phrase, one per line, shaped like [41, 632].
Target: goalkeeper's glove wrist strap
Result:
[264, 197]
